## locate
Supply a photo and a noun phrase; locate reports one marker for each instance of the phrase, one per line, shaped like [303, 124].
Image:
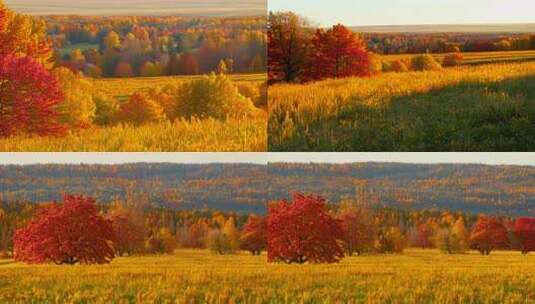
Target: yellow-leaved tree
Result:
[78, 107]
[24, 35]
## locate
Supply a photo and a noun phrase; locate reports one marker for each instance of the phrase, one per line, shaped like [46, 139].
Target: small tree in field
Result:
[78, 107]
[254, 235]
[337, 53]
[525, 232]
[391, 240]
[70, 233]
[29, 95]
[488, 234]
[303, 231]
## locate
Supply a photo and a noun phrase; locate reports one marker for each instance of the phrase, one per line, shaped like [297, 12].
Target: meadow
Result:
[468, 108]
[195, 135]
[194, 276]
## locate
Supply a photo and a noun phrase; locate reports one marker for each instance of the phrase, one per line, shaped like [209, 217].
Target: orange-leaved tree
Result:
[254, 235]
[337, 53]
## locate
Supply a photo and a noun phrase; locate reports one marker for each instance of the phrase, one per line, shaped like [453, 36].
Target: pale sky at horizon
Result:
[409, 12]
[262, 158]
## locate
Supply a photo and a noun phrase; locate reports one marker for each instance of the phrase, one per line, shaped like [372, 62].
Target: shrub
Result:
[425, 62]
[451, 60]
[141, 109]
[399, 66]
[213, 96]
[107, 108]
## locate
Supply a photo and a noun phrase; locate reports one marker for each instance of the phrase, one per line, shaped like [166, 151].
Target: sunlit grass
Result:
[184, 136]
[189, 276]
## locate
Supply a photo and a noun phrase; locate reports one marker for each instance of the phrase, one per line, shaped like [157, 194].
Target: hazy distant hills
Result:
[449, 28]
[141, 7]
[459, 187]
[247, 187]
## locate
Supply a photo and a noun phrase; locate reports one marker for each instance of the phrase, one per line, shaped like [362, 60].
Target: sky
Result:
[408, 12]
[263, 158]
[140, 7]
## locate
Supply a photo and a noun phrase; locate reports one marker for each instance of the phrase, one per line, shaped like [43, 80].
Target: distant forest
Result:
[506, 190]
[231, 187]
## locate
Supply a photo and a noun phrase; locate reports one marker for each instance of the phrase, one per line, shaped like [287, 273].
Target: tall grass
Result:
[481, 108]
[185, 136]
[189, 276]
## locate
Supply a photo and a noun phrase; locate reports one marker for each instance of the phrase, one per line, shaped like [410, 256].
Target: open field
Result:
[449, 28]
[191, 276]
[123, 87]
[474, 58]
[471, 108]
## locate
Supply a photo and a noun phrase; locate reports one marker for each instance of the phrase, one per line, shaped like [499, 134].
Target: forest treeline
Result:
[78, 230]
[155, 46]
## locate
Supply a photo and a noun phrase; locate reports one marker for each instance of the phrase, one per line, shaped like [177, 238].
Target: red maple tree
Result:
[488, 234]
[70, 233]
[337, 53]
[28, 97]
[254, 235]
[525, 232]
[303, 231]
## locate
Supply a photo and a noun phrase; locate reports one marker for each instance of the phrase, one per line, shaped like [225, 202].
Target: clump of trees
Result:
[297, 54]
[156, 46]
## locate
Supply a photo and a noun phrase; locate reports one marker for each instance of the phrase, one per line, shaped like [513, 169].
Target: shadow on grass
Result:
[469, 116]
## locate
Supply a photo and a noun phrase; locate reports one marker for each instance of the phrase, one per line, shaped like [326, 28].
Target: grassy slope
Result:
[482, 108]
[189, 276]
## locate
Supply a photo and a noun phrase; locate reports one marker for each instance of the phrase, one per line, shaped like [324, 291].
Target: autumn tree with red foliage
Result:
[303, 231]
[488, 234]
[70, 233]
[337, 53]
[254, 235]
[525, 232]
[29, 95]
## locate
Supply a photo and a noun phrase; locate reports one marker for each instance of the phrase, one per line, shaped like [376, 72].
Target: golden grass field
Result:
[246, 135]
[469, 108]
[189, 276]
